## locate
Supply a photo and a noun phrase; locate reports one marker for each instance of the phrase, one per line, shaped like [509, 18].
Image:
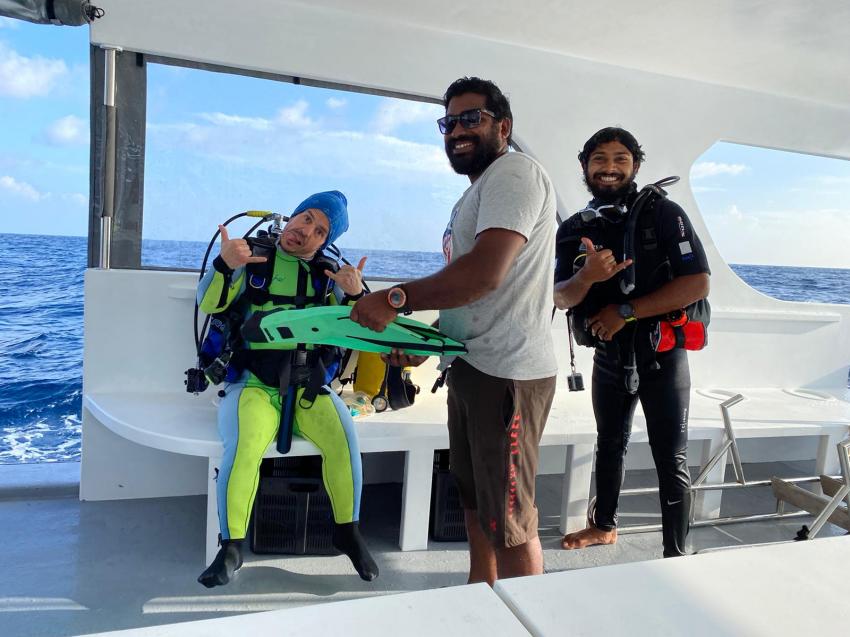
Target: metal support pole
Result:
[758, 517]
[108, 210]
[844, 460]
[752, 483]
[724, 485]
[730, 433]
[828, 510]
[843, 493]
[711, 463]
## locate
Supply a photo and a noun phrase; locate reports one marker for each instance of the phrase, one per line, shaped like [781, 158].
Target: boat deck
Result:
[72, 568]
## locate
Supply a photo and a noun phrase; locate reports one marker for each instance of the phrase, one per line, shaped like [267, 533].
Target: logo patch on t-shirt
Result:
[685, 247]
[447, 235]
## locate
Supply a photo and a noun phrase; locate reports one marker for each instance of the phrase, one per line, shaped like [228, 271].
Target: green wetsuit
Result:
[249, 414]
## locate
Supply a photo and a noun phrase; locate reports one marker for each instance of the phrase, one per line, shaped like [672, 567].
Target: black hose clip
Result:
[441, 380]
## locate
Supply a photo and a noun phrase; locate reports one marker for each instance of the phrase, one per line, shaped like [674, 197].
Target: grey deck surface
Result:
[72, 568]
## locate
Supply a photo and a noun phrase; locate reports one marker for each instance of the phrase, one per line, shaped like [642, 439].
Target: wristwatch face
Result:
[396, 298]
[626, 311]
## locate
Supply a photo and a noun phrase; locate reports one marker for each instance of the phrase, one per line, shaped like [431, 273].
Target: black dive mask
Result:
[614, 213]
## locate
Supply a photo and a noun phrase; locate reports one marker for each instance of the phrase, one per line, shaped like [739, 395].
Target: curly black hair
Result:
[611, 134]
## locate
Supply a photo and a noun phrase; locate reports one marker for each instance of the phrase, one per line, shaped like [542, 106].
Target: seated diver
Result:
[250, 412]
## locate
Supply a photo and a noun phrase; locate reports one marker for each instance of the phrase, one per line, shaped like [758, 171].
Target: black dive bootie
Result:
[347, 539]
[225, 564]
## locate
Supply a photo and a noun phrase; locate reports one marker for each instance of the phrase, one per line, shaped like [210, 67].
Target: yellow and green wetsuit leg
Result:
[249, 416]
[328, 425]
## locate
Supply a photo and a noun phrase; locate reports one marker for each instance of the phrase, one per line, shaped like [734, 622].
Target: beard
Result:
[486, 150]
[606, 194]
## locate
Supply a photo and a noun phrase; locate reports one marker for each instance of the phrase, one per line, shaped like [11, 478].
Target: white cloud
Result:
[294, 144]
[8, 23]
[445, 194]
[222, 119]
[18, 162]
[735, 213]
[707, 189]
[335, 102]
[402, 190]
[834, 180]
[76, 198]
[400, 154]
[67, 130]
[820, 191]
[25, 77]
[394, 113]
[806, 237]
[188, 133]
[295, 115]
[20, 188]
[711, 169]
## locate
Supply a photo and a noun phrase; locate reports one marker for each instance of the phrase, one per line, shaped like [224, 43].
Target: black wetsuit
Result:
[666, 247]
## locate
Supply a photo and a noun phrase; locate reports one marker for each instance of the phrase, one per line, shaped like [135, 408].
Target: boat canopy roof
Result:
[792, 49]
[680, 75]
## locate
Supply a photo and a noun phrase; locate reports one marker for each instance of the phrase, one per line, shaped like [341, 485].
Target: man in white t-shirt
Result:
[494, 295]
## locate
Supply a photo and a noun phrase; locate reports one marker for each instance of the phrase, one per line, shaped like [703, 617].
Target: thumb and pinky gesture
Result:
[349, 277]
[609, 263]
[236, 252]
[346, 269]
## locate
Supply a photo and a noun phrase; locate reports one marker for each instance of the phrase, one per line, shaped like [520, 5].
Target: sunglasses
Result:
[467, 119]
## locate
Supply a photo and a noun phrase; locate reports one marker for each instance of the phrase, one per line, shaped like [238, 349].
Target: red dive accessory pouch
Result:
[679, 331]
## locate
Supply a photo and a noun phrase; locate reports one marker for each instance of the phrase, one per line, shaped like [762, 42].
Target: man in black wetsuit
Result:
[670, 273]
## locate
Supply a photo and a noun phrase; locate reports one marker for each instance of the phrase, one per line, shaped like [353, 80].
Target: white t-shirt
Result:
[508, 332]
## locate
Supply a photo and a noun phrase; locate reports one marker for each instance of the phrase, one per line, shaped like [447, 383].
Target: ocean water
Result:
[41, 338]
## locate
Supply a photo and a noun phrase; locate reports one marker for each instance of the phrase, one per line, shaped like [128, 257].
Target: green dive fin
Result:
[331, 325]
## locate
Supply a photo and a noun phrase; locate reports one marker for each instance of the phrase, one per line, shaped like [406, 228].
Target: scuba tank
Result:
[385, 385]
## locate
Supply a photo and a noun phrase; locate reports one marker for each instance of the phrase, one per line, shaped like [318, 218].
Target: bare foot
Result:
[588, 537]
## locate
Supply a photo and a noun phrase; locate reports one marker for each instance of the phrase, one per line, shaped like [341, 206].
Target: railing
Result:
[730, 445]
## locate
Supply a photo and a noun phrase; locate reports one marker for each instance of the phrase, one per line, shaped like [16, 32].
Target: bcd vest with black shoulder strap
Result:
[686, 328]
[651, 270]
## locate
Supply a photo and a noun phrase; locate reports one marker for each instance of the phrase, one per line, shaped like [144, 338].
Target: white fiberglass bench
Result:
[781, 589]
[144, 436]
[765, 413]
[184, 424]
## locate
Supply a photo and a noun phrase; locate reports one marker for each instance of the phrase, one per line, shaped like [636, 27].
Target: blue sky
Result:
[770, 207]
[218, 144]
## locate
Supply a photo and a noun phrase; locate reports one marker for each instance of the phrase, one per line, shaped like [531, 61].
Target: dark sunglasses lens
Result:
[467, 119]
[446, 124]
[470, 119]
